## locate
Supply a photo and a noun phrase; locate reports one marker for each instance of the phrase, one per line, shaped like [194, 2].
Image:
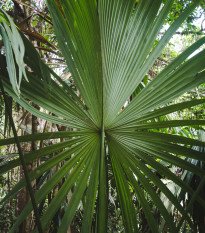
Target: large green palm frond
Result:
[108, 47]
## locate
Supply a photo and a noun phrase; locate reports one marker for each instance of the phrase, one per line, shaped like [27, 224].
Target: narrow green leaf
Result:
[78, 159]
[91, 198]
[79, 190]
[127, 208]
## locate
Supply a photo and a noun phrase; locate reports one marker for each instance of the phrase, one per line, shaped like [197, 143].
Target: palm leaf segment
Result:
[108, 47]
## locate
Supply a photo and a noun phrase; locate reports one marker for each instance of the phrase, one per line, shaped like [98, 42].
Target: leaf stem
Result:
[35, 208]
[102, 208]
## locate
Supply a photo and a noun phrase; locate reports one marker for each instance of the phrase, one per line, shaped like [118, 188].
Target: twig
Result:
[33, 8]
[50, 58]
[53, 63]
[48, 50]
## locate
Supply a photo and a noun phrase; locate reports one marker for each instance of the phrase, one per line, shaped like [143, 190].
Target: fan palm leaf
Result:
[108, 47]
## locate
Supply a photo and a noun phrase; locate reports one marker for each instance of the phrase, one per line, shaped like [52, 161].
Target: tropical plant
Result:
[108, 47]
[195, 182]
